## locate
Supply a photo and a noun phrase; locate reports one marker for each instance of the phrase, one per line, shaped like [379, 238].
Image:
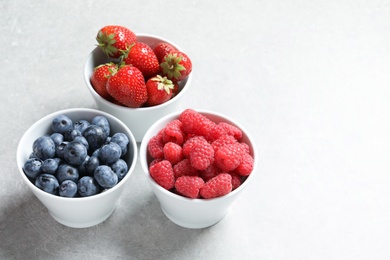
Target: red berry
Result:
[176, 65]
[189, 186]
[142, 57]
[236, 180]
[128, 87]
[202, 155]
[190, 143]
[224, 128]
[162, 174]
[210, 172]
[173, 132]
[246, 166]
[161, 49]
[173, 153]
[113, 39]
[222, 141]
[100, 76]
[184, 168]
[218, 186]
[195, 123]
[228, 157]
[156, 146]
[160, 90]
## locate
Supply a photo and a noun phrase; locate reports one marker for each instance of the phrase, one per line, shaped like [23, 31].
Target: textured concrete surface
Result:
[309, 79]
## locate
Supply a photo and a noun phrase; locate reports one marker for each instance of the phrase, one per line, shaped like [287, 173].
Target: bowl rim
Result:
[39, 122]
[148, 135]
[124, 108]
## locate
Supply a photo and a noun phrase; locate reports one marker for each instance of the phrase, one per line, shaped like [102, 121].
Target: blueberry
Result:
[50, 165]
[82, 167]
[61, 124]
[33, 167]
[44, 147]
[57, 138]
[67, 172]
[95, 137]
[81, 125]
[87, 186]
[105, 176]
[103, 123]
[75, 153]
[60, 150]
[71, 134]
[122, 140]
[91, 165]
[81, 139]
[120, 168]
[68, 189]
[96, 152]
[47, 182]
[110, 153]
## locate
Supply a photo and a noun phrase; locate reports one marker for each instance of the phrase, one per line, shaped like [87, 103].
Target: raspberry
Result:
[236, 180]
[201, 155]
[195, 123]
[222, 129]
[162, 174]
[173, 152]
[223, 140]
[154, 162]
[184, 168]
[189, 186]
[228, 157]
[246, 165]
[173, 132]
[218, 186]
[156, 146]
[210, 172]
[190, 143]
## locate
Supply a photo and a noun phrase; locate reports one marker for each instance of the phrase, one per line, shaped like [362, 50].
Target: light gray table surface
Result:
[308, 79]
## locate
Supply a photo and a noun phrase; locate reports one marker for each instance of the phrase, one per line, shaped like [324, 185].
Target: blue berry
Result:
[95, 137]
[105, 176]
[67, 172]
[60, 150]
[44, 147]
[75, 153]
[57, 138]
[33, 167]
[61, 124]
[81, 125]
[68, 189]
[110, 153]
[91, 165]
[71, 134]
[82, 167]
[81, 139]
[47, 182]
[120, 168]
[103, 123]
[50, 165]
[122, 140]
[87, 186]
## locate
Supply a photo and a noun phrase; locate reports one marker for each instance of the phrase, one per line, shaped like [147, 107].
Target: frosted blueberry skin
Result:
[75, 153]
[87, 186]
[50, 165]
[122, 140]
[57, 138]
[32, 167]
[103, 123]
[44, 147]
[68, 188]
[120, 168]
[110, 153]
[91, 165]
[81, 125]
[67, 172]
[105, 176]
[61, 124]
[95, 137]
[48, 183]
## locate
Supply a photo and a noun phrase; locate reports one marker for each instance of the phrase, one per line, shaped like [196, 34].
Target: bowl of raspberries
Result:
[197, 162]
[136, 77]
[77, 162]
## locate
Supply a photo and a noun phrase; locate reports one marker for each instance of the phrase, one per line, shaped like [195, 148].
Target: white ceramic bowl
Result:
[137, 119]
[77, 212]
[194, 213]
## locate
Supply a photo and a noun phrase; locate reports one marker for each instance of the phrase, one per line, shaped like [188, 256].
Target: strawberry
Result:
[128, 87]
[100, 77]
[140, 55]
[161, 49]
[176, 65]
[113, 39]
[160, 89]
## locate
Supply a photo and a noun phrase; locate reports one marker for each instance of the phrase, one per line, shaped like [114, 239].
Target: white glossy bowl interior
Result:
[137, 119]
[194, 213]
[77, 212]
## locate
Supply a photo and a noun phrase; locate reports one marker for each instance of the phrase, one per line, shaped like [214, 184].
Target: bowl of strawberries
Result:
[138, 78]
[197, 163]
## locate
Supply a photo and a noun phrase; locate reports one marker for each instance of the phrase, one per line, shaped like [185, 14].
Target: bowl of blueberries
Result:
[77, 163]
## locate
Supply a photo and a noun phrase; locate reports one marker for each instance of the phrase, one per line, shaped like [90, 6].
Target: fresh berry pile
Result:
[140, 76]
[197, 158]
[78, 159]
